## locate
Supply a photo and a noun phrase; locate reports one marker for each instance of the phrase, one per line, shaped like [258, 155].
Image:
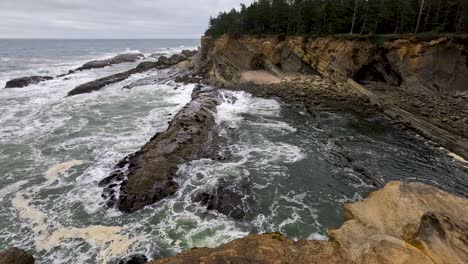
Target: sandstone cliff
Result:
[422, 84]
[401, 223]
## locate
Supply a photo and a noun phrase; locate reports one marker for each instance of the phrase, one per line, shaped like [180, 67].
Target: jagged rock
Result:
[399, 224]
[96, 85]
[231, 198]
[25, 81]
[151, 171]
[134, 259]
[122, 58]
[15, 256]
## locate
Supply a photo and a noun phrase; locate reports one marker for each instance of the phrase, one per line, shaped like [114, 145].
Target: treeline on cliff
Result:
[324, 17]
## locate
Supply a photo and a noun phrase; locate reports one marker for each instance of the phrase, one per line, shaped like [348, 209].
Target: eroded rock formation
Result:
[419, 83]
[401, 223]
[147, 176]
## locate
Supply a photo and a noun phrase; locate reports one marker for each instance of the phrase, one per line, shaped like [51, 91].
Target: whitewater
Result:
[55, 149]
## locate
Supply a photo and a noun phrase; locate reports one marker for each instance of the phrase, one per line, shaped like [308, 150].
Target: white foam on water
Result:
[234, 104]
[11, 188]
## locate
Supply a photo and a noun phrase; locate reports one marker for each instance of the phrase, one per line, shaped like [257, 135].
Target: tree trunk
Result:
[354, 16]
[419, 16]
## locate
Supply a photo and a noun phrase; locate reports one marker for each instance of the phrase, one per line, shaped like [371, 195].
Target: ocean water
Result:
[55, 149]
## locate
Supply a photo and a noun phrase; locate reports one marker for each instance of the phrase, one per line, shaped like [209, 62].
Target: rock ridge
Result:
[148, 175]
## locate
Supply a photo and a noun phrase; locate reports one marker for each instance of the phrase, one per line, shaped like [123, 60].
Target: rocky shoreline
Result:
[399, 78]
[401, 223]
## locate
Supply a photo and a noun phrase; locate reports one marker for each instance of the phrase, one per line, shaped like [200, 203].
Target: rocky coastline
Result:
[420, 84]
[401, 223]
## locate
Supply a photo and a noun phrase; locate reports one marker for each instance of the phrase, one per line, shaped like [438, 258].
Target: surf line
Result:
[108, 239]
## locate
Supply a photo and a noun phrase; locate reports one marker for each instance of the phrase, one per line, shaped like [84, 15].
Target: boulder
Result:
[176, 58]
[188, 53]
[25, 81]
[15, 256]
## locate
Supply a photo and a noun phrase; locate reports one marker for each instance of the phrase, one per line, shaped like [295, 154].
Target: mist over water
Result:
[54, 150]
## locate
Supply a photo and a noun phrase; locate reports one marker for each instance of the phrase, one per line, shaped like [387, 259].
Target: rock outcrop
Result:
[121, 58]
[147, 176]
[15, 256]
[97, 85]
[419, 83]
[25, 81]
[230, 197]
[401, 223]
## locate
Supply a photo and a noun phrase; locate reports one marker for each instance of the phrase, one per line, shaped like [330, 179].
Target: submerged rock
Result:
[147, 176]
[401, 223]
[15, 256]
[134, 259]
[122, 58]
[231, 198]
[25, 81]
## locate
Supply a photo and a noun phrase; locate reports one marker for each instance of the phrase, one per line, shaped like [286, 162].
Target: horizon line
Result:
[87, 38]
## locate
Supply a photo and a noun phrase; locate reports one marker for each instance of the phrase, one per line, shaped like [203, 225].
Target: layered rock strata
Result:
[419, 83]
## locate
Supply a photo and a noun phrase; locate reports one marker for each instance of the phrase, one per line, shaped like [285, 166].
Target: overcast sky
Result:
[109, 18]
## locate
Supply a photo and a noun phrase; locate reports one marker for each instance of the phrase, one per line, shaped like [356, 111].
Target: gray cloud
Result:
[109, 18]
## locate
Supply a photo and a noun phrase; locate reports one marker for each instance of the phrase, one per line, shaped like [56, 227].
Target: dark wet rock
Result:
[15, 256]
[134, 259]
[25, 81]
[188, 79]
[230, 197]
[100, 83]
[148, 175]
[177, 58]
[96, 85]
[189, 53]
[122, 58]
[157, 54]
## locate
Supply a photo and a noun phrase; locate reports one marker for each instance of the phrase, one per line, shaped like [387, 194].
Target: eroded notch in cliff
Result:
[378, 71]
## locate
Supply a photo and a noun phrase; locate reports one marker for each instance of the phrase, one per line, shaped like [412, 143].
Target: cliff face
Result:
[423, 85]
[402, 223]
[437, 66]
